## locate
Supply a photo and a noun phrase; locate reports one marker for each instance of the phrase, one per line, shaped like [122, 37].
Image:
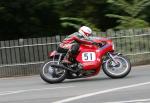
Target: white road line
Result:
[131, 101]
[100, 92]
[30, 90]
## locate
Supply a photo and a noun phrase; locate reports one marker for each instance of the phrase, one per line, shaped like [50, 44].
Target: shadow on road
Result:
[86, 80]
[83, 80]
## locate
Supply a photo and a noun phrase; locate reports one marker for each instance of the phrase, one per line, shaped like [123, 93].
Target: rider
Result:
[70, 44]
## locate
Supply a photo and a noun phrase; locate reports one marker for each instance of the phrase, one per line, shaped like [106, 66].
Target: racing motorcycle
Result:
[87, 62]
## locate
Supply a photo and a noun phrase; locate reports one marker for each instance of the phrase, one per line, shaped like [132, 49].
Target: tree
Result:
[76, 23]
[91, 11]
[27, 18]
[133, 17]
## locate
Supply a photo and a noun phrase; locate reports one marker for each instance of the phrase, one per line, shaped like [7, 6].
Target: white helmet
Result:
[85, 31]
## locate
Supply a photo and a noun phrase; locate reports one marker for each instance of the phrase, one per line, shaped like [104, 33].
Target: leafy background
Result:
[38, 18]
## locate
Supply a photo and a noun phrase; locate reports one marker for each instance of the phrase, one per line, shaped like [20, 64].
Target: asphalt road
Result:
[135, 88]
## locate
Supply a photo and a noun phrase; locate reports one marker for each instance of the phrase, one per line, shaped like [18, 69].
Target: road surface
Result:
[135, 88]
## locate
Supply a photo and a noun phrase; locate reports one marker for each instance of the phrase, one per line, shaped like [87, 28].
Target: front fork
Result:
[111, 56]
[58, 58]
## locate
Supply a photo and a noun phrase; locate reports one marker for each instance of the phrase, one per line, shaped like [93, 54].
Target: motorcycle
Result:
[88, 62]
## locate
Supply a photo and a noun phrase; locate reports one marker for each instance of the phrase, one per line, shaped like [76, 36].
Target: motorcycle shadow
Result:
[87, 80]
[94, 79]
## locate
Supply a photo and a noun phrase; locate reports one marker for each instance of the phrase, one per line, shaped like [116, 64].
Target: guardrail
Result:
[25, 56]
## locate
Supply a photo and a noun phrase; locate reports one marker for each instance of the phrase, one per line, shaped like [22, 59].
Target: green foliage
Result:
[89, 10]
[76, 23]
[33, 18]
[129, 22]
[133, 7]
[133, 17]
[27, 18]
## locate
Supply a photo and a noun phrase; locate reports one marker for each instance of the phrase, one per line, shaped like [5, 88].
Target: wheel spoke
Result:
[117, 69]
[52, 73]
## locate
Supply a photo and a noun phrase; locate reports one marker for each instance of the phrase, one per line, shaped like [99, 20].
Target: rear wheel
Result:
[52, 72]
[120, 70]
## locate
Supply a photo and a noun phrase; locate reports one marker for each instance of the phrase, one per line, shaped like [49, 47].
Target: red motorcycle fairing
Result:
[89, 57]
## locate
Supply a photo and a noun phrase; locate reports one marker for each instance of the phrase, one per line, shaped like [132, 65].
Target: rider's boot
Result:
[66, 59]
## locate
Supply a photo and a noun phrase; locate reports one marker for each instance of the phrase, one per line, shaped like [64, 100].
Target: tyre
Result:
[120, 70]
[51, 72]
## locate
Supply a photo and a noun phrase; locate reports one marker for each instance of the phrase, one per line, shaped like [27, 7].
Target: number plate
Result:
[88, 56]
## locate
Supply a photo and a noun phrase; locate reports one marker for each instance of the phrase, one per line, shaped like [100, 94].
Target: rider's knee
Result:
[74, 49]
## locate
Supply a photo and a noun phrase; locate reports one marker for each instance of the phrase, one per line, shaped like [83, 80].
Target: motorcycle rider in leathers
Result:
[70, 44]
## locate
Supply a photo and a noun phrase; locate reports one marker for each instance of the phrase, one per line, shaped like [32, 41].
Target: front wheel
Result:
[120, 70]
[52, 72]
